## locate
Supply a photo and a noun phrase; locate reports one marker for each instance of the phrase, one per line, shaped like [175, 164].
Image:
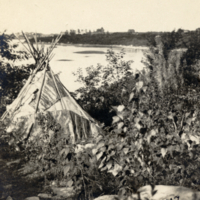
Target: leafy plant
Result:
[105, 86]
[12, 77]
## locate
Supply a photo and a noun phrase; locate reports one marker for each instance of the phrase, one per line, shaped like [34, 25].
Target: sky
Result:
[55, 16]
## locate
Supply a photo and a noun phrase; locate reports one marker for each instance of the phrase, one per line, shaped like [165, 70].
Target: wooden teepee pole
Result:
[29, 45]
[41, 88]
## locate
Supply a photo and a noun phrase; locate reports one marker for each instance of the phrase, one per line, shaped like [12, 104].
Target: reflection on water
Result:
[90, 52]
[64, 60]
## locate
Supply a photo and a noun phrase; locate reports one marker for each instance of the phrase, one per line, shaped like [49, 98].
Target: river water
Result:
[68, 58]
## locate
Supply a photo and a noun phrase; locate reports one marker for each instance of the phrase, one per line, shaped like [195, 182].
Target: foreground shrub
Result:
[103, 86]
[153, 137]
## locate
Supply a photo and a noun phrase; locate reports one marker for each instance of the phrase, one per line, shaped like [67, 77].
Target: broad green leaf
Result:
[191, 155]
[64, 151]
[99, 138]
[120, 146]
[94, 151]
[125, 150]
[188, 121]
[160, 162]
[108, 157]
[120, 108]
[176, 169]
[125, 129]
[187, 114]
[120, 125]
[111, 146]
[66, 170]
[141, 161]
[144, 89]
[112, 153]
[116, 119]
[118, 131]
[138, 126]
[124, 91]
[101, 144]
[163, 152]
[170, 116]
[149, 138]
[132, 171]
[102, 98]
[177, 148]
[104, 168]
[139, 85]
[92, 160]
[103, 149]
[136, 119]
[115, 170]
[109, 165]
[99, 155]
[153, 132]
[102, 163]
[121, 116]
[69, 183]
[131, 96]
[150, 112]
[141, 114]
[149, 170]
[170, 150]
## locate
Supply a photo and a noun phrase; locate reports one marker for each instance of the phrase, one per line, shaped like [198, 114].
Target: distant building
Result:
[131, 31]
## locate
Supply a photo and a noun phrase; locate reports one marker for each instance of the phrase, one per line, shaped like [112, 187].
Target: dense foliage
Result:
[102, 86]
[12, 77]
[151, 126]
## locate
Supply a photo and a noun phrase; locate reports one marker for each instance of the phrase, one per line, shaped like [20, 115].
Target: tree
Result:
[103, 86]
[66, 32]
[12, 78]
[72, 32]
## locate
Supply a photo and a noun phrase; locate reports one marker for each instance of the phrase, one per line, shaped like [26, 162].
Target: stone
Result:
[166, 192]
[64, 191]
[107, 197]
[32, 198]
[9, 198]
[44, 195]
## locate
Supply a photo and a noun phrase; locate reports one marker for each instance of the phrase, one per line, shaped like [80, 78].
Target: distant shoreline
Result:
[100, 45]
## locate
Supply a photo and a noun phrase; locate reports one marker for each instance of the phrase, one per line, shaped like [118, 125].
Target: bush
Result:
[155, 137]
[12, 78]
[151, 134]
[105, 86]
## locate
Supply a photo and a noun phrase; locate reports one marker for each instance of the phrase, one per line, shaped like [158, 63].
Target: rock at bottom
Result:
[107, 197]
[44, 195]
[32, 198]
[9, 198]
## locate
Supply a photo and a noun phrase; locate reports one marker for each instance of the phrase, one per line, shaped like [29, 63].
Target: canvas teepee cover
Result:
[44, 94]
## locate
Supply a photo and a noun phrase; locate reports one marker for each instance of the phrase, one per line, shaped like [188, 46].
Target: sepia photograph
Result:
[99, 100]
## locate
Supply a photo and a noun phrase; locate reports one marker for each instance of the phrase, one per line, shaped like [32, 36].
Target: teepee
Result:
[43, 93]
